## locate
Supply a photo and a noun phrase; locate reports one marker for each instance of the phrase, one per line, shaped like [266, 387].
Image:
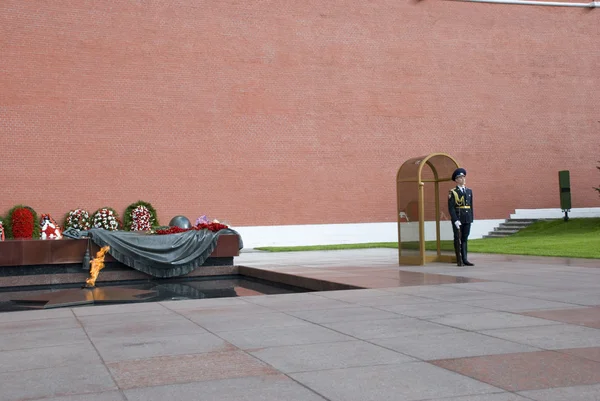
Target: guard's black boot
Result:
[464, 255]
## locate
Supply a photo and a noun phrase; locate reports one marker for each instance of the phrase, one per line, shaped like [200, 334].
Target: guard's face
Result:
[461, 180]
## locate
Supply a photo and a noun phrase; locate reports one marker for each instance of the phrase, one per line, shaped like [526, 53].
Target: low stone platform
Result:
[37, 262]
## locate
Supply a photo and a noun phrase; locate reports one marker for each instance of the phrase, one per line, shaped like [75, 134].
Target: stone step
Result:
[512, 227]
[509, 227]
[495, 234]
[509, 223]
[505, 232]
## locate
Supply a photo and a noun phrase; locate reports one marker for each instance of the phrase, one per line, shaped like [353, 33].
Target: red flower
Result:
[22, 223]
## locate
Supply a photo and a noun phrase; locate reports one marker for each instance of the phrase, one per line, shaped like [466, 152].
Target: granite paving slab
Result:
[187, 368]
[280, 336]
[41, 338]
[430, 346]
[261, 388]
[312, 357]
[527, 371]
[592, 353]
[408, 381]
[56, 381]
[556, 336]
[575, 393]
[107, 396]
[343, 314]
[490, 320]
[517, 304]
[369, 329]
[589, 317]
[48, 357]
[215, 323]
[431, 310]
[128, 348]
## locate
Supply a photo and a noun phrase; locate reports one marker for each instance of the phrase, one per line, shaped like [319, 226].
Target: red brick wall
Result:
[292, 112]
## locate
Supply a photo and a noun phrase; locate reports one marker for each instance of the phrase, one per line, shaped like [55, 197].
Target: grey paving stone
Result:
[367, 329]
[217, 323]
[128, 317]
[48, 357]
[39, 325]
[279, 336]
[343, 314]
[430, 346]
[300, 358]
[557, 336]
[243, 309]
[577, 393]
[351, 295]
[121, 348]
[167, 370]
[486, 397]
[403, 382]
[490, 320]
[35, 315]
[432, 309]
[296, 305]
[145, 329]
[495, 286]
[517, 304]
[56, 381]
[262, 388]
[108, 396]
[202, 303]
[572, 296]
[391, 299]
[34, 339]
[121, 308]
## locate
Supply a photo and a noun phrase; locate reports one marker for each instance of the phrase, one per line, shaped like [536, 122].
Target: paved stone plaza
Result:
[524, 328]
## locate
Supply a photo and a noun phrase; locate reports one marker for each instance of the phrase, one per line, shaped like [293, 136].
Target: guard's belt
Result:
[463, 207]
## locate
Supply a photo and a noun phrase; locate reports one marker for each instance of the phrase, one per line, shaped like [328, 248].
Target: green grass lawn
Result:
[577, 238]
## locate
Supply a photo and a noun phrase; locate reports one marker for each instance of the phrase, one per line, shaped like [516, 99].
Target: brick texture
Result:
[292, 112]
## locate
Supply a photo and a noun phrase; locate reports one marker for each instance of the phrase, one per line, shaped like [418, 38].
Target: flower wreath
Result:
[49, 229]
[106, 218]
[79, 219]
[1, 229]
[22, 223]
[140, 216]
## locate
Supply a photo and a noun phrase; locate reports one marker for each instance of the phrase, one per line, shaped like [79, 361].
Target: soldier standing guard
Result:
[460, 206]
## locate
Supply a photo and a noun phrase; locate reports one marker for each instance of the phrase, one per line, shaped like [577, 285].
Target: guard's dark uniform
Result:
[460, 206]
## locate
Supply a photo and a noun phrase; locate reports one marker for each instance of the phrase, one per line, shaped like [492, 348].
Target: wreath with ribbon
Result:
[106, 218]
[140, 216]
[22, 223]
[79, 219]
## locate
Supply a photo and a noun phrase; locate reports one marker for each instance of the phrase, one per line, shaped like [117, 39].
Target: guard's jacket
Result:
[460, 205]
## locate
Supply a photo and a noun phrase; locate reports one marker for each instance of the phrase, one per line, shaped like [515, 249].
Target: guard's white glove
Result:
[457, 224]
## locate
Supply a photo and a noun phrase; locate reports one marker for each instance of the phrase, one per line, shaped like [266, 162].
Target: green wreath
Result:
[8, 227]
[128, 220]
[114, 218]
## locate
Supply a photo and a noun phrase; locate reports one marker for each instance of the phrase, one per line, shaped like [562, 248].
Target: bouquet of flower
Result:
[202, 220]
[48, 228]
[78, 219]
[106, 218]
[213, 226]
[141, 217]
